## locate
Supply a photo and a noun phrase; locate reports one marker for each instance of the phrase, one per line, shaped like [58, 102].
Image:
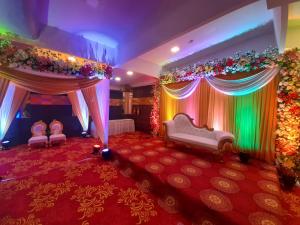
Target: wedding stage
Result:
[177, 113]
[147, 182]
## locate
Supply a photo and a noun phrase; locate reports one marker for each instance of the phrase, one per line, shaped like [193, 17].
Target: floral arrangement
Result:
[288, 112]
[240, 62]
[154, 117]
[45, 60]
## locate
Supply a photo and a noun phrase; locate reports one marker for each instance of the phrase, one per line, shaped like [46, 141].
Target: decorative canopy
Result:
[45, 84]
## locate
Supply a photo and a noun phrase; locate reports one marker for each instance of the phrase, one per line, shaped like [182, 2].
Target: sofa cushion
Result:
[195, 140]
[38, 139]
[57, 137]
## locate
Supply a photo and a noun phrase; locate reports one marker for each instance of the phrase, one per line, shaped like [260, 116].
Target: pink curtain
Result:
[97, 100]
[12, 100]
[80, 108]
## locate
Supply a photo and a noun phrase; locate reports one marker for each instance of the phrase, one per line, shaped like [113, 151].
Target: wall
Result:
[142, 106]
[116, 105]
[292, 38]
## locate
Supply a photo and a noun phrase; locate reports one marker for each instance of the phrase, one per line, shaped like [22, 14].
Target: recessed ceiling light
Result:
[117, 78]
[129, 72]
[71, 59]
[175, 49]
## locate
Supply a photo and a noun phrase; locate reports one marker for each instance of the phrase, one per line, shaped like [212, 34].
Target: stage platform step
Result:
[198, 186]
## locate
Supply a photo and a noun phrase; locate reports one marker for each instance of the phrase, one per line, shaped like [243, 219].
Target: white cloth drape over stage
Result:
[184, 92]
[243, 86]
[237, 87]
[97, 100]
[80, 108]
[12, 100]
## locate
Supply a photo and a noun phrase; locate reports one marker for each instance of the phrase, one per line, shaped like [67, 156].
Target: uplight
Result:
[71, 59]
[117, 78]
[129, 72]
[175, 49]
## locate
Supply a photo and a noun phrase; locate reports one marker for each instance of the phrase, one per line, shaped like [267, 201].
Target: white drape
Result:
[184, 92]
[97, 100]
[243, 86]
[80, 108]
[13, 98]
[238, 87]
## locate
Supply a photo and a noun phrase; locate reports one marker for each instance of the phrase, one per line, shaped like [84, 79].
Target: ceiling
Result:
[135, 80]
[219, 30]
[141, 32]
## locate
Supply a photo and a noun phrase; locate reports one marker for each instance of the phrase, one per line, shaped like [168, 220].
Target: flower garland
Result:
[240, 62]
[45, 60]
[154, 116]
[288, 111]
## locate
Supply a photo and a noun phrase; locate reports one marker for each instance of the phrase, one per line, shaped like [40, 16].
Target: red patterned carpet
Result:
[145, 184]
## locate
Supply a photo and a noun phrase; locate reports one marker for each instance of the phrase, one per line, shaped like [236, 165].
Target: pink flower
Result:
[86, 70]
[229, 62]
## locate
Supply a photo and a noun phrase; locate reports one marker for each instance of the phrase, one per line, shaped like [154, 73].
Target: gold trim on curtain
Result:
[43, 84]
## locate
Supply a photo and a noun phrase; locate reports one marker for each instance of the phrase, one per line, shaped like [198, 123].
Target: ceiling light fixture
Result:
[71, 59]
[129, 72]
[175, 49]
[117, 78]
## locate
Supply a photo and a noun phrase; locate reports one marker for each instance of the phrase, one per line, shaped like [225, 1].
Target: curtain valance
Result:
[43, 84]
[183, 92]
[243, 86]
[237, 87]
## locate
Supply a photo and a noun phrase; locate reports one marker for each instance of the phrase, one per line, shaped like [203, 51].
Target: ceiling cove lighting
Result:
[175, 49]
[129, 72]
[117, 78]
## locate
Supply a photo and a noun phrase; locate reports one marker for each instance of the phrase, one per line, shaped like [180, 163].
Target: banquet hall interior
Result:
[149, 112]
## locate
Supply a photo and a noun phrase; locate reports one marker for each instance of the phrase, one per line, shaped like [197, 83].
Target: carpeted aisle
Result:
[146, 183]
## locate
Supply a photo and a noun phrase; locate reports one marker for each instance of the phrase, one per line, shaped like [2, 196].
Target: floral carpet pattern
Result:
[145, 183]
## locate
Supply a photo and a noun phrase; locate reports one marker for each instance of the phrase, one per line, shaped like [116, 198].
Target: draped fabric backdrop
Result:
[95, 93]
[13, 98]
[80, 108]
[251, 118]
[3, 87]
[97, 100]
[45, 84]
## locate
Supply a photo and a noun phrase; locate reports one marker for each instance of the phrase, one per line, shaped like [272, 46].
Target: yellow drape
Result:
[251, 118]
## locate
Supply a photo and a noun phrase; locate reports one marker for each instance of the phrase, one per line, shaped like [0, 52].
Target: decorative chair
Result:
[39, 137]
[56, 136]
[182, 130]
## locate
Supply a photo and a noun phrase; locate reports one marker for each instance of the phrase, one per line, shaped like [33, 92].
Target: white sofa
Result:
[181, 129]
